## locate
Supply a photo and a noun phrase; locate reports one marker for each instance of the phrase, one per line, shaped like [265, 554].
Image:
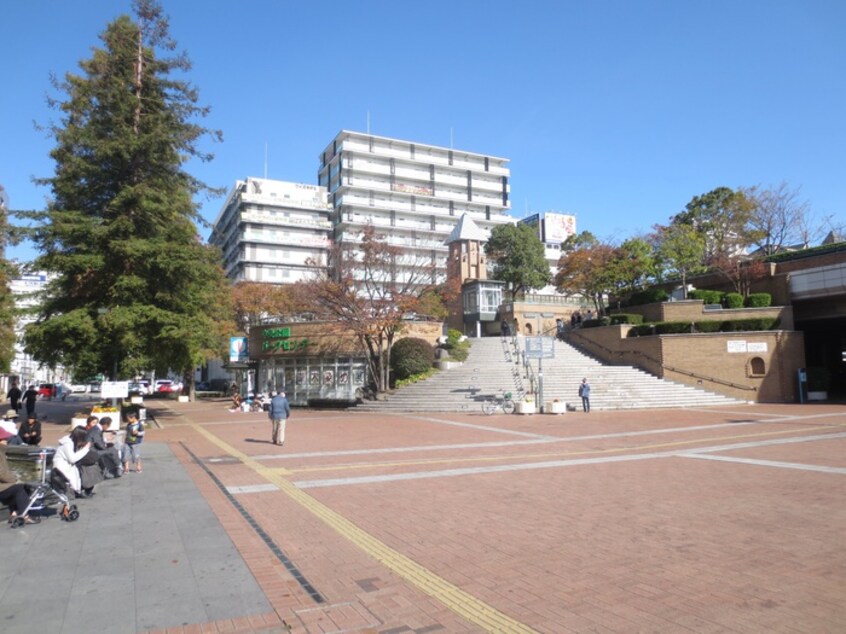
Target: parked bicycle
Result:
[500, 402]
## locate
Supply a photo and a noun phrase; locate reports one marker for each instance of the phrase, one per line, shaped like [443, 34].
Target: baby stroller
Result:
[43, 494]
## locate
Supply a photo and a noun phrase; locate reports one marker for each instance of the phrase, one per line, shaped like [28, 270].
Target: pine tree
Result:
[135, 288]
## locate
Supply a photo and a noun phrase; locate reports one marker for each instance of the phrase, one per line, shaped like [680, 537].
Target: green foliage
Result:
[751, 324]
[625, 318]
[682, 327]
[518, 257]
[134, 286]
[681, 252]
[733, 300]
[648, 296]
[758, 300]
[416, 378]
[458, 350]
[410, 356]
[596, 323]
[709, 297]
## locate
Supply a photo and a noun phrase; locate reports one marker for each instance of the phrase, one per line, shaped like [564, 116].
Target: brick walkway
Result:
[653, 521]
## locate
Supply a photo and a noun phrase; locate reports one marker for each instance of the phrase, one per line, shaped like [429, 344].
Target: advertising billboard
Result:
[558, 227]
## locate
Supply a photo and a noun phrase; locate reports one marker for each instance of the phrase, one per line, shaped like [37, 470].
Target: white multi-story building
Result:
[273, 231]
[25, 289]
[411, 193]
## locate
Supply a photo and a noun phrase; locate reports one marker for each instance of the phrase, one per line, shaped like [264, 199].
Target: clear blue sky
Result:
[616, 111]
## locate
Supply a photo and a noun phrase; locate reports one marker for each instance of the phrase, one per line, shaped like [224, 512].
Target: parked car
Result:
[202, 386]
[47, 390]
[95, 387]
[139, 388]
[78, 388]
[167, 386]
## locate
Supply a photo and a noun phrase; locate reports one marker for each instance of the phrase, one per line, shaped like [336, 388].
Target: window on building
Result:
[757, 367]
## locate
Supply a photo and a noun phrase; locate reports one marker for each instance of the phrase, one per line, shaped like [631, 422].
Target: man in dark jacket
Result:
[29, 397]
[279, 413]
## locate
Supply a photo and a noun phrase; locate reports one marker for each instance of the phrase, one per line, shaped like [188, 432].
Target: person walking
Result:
[584, 392]
[14, 395]
[29, 397]
[279, 413]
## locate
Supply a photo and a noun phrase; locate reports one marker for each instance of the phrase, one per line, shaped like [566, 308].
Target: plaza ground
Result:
[705, 520]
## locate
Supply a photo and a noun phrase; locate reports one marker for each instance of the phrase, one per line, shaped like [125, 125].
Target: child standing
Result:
[132, 443]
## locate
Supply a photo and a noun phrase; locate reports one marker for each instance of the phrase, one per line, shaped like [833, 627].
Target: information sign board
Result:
[540, 348]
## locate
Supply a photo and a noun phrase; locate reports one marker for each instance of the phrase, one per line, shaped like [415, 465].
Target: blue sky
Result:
[616, 111]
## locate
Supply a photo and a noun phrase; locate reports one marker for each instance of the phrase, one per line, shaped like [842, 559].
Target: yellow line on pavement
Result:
[539, 456]
[454, 598]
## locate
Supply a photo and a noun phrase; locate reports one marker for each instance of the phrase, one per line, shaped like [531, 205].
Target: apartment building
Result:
[273, 231]
[412, 193]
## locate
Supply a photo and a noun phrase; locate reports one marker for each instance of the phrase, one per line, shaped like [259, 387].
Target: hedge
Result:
[626, 318]
[758, 300]
[684, 327]
[709, 297]
[648, 296]
[734, 300]
[410, 356]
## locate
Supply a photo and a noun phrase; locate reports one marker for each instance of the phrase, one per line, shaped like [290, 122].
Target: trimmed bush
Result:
[684, 327]
[709, 297]
[756, 323]
[458, 350]
[734, 300]
[410, 356]
[648, 296]
[625, 318]
[595, 323]
[758, 300]
[708, 326]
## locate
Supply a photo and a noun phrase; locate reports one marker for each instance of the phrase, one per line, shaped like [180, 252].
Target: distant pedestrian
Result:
[132, 443]
[279, 413]
[584, 392]
[29, 397]
[14, 395]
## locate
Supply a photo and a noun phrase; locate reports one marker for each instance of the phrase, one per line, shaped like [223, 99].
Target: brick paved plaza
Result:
[641, 521]
[712, 520]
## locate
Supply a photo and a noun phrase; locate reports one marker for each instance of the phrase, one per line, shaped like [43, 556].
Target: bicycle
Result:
[503, 402]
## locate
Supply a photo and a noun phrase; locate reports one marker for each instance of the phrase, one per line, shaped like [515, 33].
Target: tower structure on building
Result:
[273, 231]
[412, 194]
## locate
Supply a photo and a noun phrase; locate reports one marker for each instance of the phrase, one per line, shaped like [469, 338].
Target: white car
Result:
[79, 388]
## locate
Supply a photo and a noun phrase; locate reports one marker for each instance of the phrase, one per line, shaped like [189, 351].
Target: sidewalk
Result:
[707, 520]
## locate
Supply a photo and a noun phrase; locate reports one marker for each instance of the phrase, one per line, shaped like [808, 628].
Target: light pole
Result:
[102, 312]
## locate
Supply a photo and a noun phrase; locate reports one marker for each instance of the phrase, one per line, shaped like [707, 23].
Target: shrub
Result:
[416, 377]
[758, 300]
[458, 350]
[594, 323]
[410, 356]
[708, 326]
[648, 296]
[709, 297]
[734, 300]
[756, 323]
[625, 318]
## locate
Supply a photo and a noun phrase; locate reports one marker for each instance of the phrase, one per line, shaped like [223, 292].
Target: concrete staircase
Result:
[494, 366]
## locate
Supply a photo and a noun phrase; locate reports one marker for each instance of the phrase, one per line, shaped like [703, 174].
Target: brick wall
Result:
[705, 360]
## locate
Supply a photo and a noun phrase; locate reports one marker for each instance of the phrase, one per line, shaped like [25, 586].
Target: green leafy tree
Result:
[633, 265]
[7, 302]
[518, 257]
[722, 218]
[681, 251]
[135, 288]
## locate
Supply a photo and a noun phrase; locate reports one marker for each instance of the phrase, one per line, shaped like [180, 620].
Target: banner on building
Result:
[238, 352]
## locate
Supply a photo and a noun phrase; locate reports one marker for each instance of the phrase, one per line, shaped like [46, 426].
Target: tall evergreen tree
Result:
[135, 288]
